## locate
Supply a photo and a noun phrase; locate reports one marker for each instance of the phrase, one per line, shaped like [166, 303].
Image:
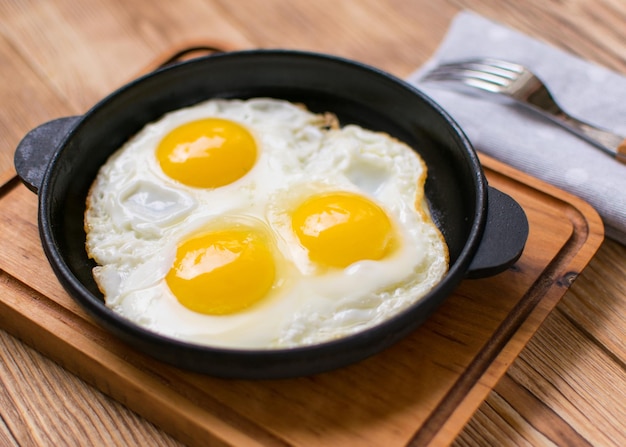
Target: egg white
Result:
[136, 216]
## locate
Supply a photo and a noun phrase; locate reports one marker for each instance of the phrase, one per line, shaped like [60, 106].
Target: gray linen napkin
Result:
[527, 141]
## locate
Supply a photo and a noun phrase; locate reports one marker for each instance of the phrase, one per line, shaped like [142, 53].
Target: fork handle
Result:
[603, 139]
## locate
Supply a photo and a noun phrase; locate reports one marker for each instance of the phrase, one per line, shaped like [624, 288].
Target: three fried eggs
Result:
[259, 224]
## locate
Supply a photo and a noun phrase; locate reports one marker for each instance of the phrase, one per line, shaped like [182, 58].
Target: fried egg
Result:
[259, 224]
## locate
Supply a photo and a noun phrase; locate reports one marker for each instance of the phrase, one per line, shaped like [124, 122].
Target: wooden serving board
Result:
[422, 390]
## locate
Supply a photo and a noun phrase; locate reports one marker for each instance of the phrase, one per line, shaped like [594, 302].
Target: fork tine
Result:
[486, 74]
[489, 65]
[493, 67]
[478, 79]
[503, 65]
[460, 73]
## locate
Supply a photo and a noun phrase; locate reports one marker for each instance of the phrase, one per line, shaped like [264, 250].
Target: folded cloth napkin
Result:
[526, 140]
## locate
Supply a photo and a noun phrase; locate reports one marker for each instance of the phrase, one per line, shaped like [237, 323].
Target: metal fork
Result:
[518, 83]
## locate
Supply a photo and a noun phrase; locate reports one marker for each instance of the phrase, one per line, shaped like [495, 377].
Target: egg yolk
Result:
[207, 153]
[340, 228]
[222, 272]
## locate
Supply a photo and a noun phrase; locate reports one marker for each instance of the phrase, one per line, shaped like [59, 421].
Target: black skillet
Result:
[485, 229]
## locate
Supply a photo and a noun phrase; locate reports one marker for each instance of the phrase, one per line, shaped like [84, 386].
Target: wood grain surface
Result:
[57, 57]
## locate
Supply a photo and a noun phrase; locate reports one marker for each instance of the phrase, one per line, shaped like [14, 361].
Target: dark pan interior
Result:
[356, 94]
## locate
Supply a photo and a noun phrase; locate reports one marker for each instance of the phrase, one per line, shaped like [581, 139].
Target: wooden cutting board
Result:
[421, 390]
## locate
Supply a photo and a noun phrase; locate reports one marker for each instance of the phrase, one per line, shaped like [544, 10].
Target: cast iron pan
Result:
[485, 229]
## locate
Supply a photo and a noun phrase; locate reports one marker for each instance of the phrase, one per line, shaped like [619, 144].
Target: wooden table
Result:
[567, 387]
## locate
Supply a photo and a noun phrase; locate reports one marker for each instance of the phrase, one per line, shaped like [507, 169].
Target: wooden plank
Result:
[87, 49]
[27, 102]
[588, 29]
[560, 380]
[575, 357]
[63, 423]
[534, 380]
[320, 26]
[598, 308]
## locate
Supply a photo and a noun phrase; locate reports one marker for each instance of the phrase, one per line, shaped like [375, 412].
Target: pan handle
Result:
[37, 148]
[187, 51]
[504, 236]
